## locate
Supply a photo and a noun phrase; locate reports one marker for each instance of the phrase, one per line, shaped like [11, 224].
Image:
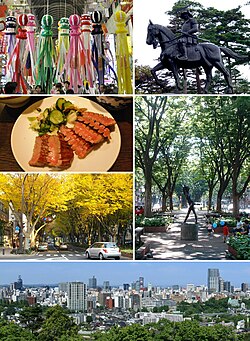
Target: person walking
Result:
[225, 232]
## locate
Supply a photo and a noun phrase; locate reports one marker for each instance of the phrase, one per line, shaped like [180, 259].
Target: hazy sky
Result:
[120, 272]
[155, 11]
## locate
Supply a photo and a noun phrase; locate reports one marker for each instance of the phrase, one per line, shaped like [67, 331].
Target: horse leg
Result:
[173, 67]
[222, 69]
[158, 67]
[208, 72]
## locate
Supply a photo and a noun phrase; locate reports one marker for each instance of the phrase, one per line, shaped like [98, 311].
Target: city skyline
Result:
[180, 273]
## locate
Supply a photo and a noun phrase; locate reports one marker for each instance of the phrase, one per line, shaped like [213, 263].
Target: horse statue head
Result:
[158, 34]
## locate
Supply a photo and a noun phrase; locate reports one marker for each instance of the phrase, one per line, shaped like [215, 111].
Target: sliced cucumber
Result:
[72, 116]
[67, 105]
[56, 117]
[59, 103]
[46, 113]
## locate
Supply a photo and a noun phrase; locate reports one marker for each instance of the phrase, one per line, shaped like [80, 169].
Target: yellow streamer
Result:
[122, 55]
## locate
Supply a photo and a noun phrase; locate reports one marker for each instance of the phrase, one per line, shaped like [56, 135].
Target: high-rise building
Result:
[19, 284]
[106, 285]
[227, 286]
[244, 287]
[125, 286]
[77, 296]
[213, 280]
[92, 283]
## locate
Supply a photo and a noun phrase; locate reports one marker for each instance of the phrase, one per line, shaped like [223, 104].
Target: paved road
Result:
[169, 245]
[49, 256]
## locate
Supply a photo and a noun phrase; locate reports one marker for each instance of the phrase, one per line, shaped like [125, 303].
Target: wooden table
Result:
[124, 119]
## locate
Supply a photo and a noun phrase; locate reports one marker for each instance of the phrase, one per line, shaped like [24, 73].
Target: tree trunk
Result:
[171, 204]
[148, 197]
[210, 195]
[164, 201]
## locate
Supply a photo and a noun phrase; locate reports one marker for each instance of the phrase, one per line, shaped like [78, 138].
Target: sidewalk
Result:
[169, 246]
[6, 251]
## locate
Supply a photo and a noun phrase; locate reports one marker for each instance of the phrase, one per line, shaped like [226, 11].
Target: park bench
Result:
[144, 252]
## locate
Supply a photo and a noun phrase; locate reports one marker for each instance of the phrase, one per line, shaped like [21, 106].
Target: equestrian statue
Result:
[185, 52]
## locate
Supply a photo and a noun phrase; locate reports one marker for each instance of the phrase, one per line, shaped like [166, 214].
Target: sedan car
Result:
[63, 246]
[42, 247]
[103, 250]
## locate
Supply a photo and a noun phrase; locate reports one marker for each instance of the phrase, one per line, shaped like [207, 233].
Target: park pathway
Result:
[169, 246]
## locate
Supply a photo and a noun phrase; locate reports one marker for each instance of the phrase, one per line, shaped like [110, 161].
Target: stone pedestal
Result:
[189, 231]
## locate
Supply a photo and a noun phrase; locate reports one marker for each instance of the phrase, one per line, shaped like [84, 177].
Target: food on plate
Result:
[64, 129]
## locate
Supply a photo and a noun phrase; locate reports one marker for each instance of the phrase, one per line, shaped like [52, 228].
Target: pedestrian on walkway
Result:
[209, 228]
[225, 232]
[3, 251]
[14, 248]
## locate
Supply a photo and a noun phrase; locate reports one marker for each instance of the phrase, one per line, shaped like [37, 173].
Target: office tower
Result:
[244, 287]
[19, 284]
[125, 286]
[213, 280]
[227, 286]
[77, 296]
[106, 285]
[141, 282]
[221, 284]
[93, 283]
[63, 287]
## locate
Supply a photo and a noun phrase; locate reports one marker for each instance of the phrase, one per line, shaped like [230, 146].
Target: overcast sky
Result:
[119, 272]
[155, 11]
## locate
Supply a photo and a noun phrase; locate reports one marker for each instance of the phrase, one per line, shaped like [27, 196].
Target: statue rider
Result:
[189, 27]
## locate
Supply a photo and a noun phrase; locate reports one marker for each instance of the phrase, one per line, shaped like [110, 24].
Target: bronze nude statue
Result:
[190, 203]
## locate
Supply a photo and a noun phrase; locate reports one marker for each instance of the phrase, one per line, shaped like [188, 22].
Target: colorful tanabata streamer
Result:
[46, 55]
[97, 48]
[87, 65]
[122, 55]
[11, 42]
[62, 48]
[73, 64]
[30, 60]
[17, 55]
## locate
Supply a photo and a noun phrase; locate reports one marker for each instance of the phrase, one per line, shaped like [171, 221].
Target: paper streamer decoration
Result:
[122, 55]
[11, 42]
[73, 64]
[46, 55]
[97, 48]
[87, 65]
[17, 56]
[30, 60]
[62, 49]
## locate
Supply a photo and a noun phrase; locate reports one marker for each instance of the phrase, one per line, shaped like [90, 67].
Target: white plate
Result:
[23, 139]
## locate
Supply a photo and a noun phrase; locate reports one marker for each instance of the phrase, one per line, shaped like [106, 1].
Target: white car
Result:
[42, 247]
[198, 205]
[63, 246]
[103, 250]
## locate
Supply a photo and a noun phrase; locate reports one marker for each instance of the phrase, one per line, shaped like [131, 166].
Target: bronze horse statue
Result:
[205, 54]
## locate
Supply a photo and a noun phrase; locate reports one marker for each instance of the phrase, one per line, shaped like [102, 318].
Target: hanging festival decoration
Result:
[30, 60]
[87, 65]
[10, 33]
[122, 55]
[17, 56]
[97, 48]
[62, 48]
[73, 63]
[46, 55]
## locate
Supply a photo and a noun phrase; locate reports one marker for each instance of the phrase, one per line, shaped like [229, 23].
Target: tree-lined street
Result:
[76, 209]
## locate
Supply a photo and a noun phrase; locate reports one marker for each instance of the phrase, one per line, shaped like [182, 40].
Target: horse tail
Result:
[232, 54]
